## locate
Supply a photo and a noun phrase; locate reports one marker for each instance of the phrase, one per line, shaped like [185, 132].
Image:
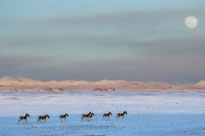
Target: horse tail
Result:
[38, 119]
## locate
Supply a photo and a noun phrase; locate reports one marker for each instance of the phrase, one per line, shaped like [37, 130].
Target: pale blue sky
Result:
[138, 40]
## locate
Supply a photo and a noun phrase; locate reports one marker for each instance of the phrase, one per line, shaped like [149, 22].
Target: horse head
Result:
[125, 112]
[91, 113]
[27, 115]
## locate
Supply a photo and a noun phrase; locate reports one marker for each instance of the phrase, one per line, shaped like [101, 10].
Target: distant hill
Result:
[21, 84]
[16, 79]
[201, 83]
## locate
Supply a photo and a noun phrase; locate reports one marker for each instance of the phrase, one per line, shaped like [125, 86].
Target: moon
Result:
[191, 22]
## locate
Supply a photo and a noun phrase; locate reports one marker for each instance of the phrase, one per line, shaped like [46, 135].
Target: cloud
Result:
[160, 46]
[131, 17]
[22, 64]
[102, 29]
[188, 46]
[180, 69]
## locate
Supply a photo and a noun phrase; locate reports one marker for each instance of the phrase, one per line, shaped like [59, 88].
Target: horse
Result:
[42, 118]
[23, 118]
[91, 114]
[87, 116]
[121, 115]
[63, 116]
[107, 115]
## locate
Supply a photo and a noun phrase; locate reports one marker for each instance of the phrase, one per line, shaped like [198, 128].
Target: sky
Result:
[135, 40]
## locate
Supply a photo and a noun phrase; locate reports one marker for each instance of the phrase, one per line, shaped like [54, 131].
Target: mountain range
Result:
[21, 84]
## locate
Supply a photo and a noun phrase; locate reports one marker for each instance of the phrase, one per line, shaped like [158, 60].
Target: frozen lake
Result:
[133, 124]
[150, 113]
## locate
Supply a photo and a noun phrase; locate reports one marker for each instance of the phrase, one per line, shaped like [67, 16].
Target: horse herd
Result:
[87, 117]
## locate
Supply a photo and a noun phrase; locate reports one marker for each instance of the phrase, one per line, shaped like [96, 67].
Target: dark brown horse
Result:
[107, 115]
[21, 118]
[42, 118]
[63, 116]
[87, 116]
[119, 115]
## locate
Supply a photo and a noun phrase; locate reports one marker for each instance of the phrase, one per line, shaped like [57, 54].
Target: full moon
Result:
[191, 22]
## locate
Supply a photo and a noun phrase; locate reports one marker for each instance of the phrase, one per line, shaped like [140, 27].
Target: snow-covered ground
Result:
[150, 113]
[133, 124]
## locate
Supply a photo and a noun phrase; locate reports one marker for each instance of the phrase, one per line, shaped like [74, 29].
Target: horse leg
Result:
[25, 121]
[19, 121]
[123, 116]
[39, 121]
